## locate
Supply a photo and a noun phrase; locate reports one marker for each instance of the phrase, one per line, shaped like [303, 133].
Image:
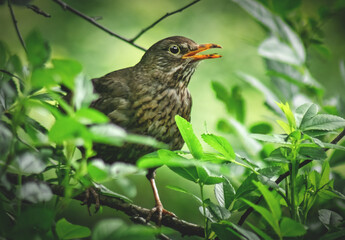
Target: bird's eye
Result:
[174, 49]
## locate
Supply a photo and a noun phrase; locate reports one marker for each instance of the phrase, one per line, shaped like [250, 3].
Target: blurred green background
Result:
[209, 21]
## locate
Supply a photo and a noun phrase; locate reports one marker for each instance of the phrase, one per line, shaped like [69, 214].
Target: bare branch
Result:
[38, 10]
[162, 18]
[285, 175]
[132, 210]
[92, 21]
[14, 20]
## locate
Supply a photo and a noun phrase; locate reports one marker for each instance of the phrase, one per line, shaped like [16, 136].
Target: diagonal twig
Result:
[162, 18]
[14, 20]
[92, 21]
[285, 175]
[38, 10]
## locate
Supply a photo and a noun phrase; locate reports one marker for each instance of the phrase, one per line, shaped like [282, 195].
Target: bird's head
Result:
[175, 57]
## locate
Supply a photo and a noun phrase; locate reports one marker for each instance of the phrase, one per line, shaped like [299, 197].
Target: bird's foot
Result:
[159, 209]
[91, 194]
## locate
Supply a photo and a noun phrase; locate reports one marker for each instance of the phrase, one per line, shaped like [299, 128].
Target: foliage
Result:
[47, 133]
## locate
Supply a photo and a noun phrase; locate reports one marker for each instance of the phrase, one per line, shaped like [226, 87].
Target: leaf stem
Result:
[204, 209]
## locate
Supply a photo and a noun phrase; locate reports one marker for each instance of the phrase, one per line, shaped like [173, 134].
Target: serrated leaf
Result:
[218, 212]
[189, 173]
[67, 230]
[305, 112]
[291, 228]
[323, 122]
[289, 115]
[220, 144]
[189, 137]
[247, 186]
[225, 193]
[206, 177]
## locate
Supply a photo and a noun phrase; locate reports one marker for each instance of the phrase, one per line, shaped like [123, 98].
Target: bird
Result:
[144, 99]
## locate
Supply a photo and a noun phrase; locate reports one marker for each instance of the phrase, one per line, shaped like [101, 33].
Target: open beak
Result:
[201, 48]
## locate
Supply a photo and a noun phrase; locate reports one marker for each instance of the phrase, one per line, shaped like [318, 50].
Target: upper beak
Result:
[201, 48]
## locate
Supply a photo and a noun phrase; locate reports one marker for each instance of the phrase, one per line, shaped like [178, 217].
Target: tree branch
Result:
[92, 21]
[161, 19]
[132, 210]
[38, 10]
[285, 175]
[14, 20]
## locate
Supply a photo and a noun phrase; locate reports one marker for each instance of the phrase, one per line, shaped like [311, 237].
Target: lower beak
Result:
[201, 48]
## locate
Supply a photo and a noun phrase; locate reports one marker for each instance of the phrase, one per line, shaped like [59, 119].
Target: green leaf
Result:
[325, 174]
[305, 112]
[270, 138]
[247, 186]
[261, 128]
[189, 137]
[220, 144]
[66, 128]
[206, 177]
[330, 219]
[271, 201]
[35, 192]
[313, 153]
[221, 92]
[267, 215]
[83, 92]
[97, 170]
[107, 192]
[189, 173]
[225, 193]
[225, 232]
[67, 70]
[275, 49]
[260, 232]
[89, 116]
[279, 155]
[108, 134]
[333, 236]
[323, 122]
[109, 229]
[43, 77]
[67, 230]
[289, 115]
[244, 232]
[161, 157]
[38, 50]
[218, 212]
[291, 228]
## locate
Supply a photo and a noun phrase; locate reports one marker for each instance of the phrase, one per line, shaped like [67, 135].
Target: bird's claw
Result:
[87, 200]
[160, 211]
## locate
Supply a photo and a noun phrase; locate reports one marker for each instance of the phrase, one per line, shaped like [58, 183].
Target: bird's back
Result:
[141, 107]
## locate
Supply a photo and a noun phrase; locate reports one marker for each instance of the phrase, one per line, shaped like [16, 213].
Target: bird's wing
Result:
[114, 97]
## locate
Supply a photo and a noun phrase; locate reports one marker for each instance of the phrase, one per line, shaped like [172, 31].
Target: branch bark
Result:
[132, 210]
[161, 19]
[14, 20]
[285, 175]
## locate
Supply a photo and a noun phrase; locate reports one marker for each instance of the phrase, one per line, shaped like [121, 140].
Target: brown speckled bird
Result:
[145, 98]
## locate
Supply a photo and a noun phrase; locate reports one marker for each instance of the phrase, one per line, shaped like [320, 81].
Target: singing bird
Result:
[145, 98]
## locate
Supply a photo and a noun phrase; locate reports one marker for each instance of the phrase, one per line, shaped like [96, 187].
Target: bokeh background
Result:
[215, 21]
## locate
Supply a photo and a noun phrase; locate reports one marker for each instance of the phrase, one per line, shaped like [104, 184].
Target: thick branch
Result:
[92, 21]
[161, 19]
[285, 175]
[132, 210]
[14, 20]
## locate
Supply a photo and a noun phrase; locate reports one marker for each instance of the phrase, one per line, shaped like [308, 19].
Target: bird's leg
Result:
[159, 206]
[87, 200]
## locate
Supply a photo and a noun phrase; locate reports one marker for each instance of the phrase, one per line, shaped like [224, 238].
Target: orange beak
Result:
[201, 48]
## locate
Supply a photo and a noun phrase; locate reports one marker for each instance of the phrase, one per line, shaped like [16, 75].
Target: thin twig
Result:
[162, 18]
[38, 10]
[132, 210]
[92, 21]
[14, 20]
[285, 175]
